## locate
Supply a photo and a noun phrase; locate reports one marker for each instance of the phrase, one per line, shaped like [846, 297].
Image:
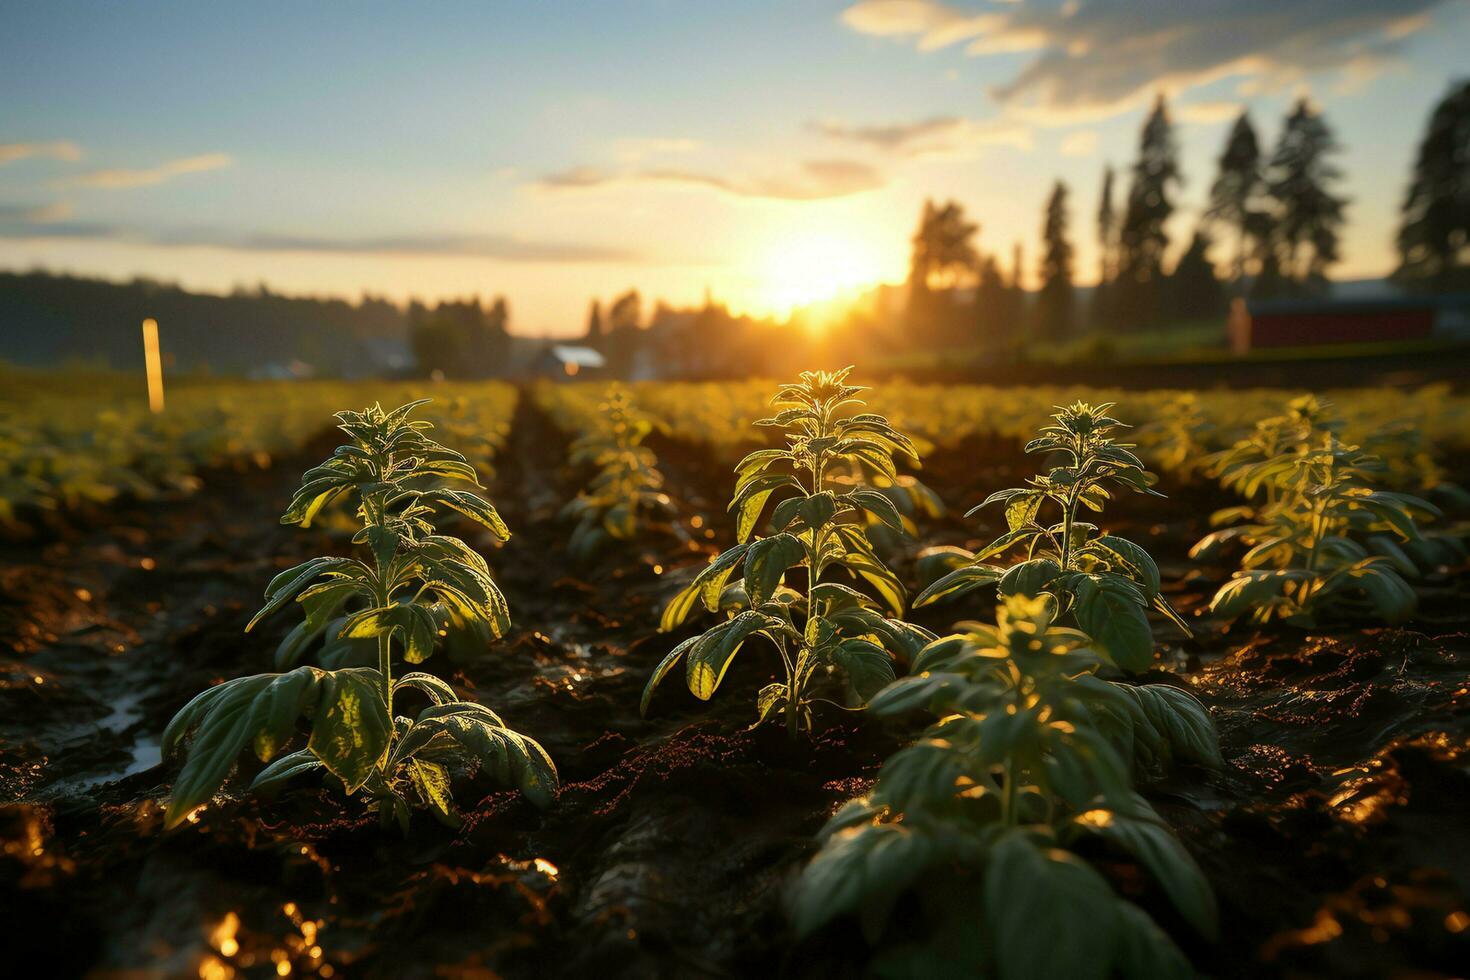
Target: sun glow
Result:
[812, 269]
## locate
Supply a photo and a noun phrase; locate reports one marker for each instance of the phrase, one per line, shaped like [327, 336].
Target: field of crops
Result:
[668, 680]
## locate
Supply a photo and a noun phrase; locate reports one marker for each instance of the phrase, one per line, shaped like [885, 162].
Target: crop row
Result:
[63, 448]
[1039, 730]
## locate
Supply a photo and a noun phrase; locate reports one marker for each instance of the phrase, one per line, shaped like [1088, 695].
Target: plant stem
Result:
[1008, 794]
[385, 667]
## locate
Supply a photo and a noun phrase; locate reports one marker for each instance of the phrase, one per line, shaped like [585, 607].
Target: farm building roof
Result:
[581, 356]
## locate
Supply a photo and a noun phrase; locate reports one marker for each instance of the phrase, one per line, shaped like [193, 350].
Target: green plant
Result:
[1307, 560]
[397, 475]
[627, 489]
[832, 627]
[962, 861]
[1176, 439]
[1243, 467]
[910, 497]
[1104, 582]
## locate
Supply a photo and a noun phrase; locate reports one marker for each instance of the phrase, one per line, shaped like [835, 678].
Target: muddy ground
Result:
[1335, 837]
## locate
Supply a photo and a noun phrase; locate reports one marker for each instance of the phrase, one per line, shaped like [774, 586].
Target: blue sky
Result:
[772, 152]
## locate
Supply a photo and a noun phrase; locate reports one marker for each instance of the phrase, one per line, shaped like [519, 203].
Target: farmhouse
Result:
[1380, 319]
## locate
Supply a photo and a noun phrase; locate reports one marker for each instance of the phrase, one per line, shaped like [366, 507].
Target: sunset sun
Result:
[814, 268]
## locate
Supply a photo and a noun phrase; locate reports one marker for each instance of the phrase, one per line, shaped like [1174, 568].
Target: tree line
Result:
[1278, 215]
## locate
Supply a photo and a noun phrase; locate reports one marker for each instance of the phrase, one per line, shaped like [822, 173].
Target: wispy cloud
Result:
[932, 25]
[54, 150]
[814, 180]
[119, 179]
[1097, 57]
[37, 224]
[935, 136]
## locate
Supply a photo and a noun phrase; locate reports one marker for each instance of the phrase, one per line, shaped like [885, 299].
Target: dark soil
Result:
[1335, 837]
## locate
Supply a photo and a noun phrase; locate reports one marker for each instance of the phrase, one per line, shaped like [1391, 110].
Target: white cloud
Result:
[1093, 58]
[49, 223]
[814, 180]
[117, 179]
[936, 136]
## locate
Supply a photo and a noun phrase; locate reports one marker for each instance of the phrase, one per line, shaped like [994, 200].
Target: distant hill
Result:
[48, 319]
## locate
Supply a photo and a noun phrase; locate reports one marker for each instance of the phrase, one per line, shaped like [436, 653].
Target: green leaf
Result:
[263, 709]
[915, 692]
[1166, 859]
[670, 660]
[815, 511]
[920, 778]
[1029, 578]
[1048, 914]
[958, 582]
[858, 867]
[712, 655]
[432, 687]
[751, 500]
[507, 755]
[1021, 508]
[1249, 589]
[284, 769]
[285, 586]
[1145, 950]
[1181, 726]
[351, 731]
[770, 697]
[767, 561]
[868, 666]
[1394, 600]
[276, 707]
[432, 782]
[707, 585]
[1109, 609]
[473, 506]
[876, 504]
[316, 494]
[1129, 558]
[222, 717]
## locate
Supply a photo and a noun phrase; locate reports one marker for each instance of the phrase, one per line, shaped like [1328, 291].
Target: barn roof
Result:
[584, 357]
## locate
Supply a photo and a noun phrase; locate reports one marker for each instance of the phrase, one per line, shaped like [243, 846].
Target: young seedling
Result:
[966, 837]
[1105, 583]
[831, 627]
[397, 475]
[627, 490]
[1308, 562]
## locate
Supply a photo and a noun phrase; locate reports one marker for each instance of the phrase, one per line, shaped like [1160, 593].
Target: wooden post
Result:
[154, 364]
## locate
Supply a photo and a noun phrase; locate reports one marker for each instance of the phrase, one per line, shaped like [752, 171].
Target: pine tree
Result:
[593, 337]
[1142, 240]
[944, 258]
[1194, 291]
[1309, 216]
[1235, 195]
[1101, 308]
[1435, 235]
[1054, 300]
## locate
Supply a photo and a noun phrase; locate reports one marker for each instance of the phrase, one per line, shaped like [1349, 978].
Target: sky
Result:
[768, 153]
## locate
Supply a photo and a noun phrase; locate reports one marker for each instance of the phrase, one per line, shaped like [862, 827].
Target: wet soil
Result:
[1335, 836]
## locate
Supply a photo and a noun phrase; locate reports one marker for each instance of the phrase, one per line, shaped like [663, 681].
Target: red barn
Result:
[1309, 322]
